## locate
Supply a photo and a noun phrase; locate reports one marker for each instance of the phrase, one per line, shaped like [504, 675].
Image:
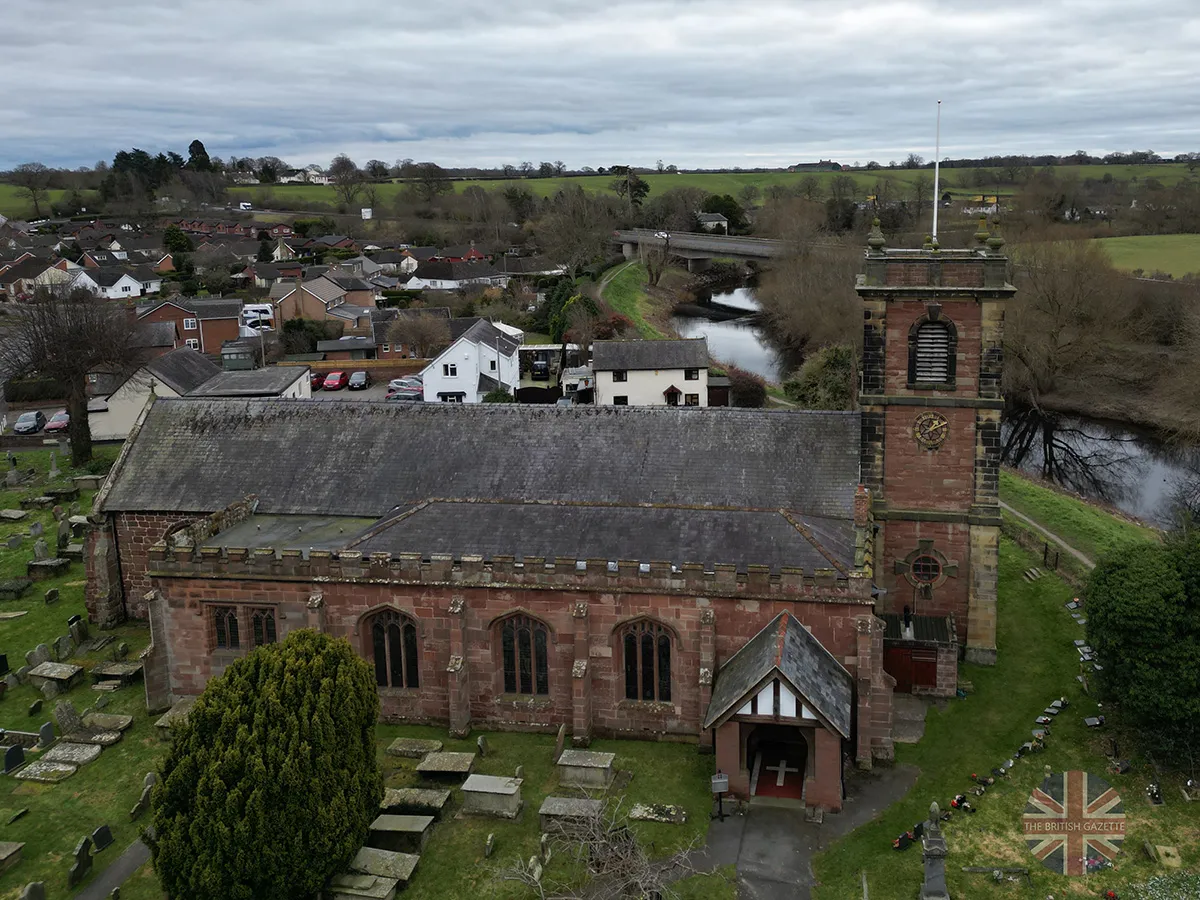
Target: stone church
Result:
[756, 582]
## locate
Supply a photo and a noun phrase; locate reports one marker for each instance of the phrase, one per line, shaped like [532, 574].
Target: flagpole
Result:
[937, 163]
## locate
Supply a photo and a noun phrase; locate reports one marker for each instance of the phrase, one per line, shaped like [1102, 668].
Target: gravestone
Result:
[13, 478]
[13, 515]
[4, 670]
[101, 702]
[58, 513]
[586, 769]
[114, 894]
[415, 801]
[52, 678]
[14, 588]
[72, 754]
[73, 509]
[520, 773]
[102, 838]
[396, 867]
[490, 795]
[412, 748]
[559, 741]
[933, 856]
[35, 890]
[14, 541]
[64, 534]
[79, 630]
[490, 847]
[51, 596]
[143, 804]
[22, 674]
[54, 472]
[45, 771]
[41, 551]
[64, 648]
[446, 766]
[19, 814]
[544, 851]
[36, 530]
[37, 656]
[150, 780]
[121, 651]
[14, 758]
[45, 735]
[658, 812]
[83, 862]
[482, 745]
[400, 834]
[35, 707]
[10, 854]
[564, 811]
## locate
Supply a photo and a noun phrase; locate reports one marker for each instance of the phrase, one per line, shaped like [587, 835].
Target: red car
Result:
[60, 421]
[318, 379]
[335, 381]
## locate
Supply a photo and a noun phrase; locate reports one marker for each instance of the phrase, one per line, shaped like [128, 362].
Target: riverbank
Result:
[648, 308]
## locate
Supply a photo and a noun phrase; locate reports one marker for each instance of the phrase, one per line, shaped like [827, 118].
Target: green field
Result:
[1176, 254]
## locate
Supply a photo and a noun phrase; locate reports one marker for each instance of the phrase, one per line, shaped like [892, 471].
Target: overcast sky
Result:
[691, 82]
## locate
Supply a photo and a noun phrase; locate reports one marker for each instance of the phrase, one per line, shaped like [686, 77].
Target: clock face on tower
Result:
[930, 430]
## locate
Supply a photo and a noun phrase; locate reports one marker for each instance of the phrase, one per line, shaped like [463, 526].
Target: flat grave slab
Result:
[72, 753]
[384, 863]
[107, 721]
[585, 768]
[124, 672]
[39, 569]
[10, 854]
[63, 675]
[177, 713]
[13, 515]
[46, 772]
[14, 588]
[564, 810]
[492, 795]
[415, 801]
[658, 812]
[413, 748]
[400, 834]
[448, 766]
[352, 886]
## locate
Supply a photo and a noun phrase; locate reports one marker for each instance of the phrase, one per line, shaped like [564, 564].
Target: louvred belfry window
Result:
[933, 351]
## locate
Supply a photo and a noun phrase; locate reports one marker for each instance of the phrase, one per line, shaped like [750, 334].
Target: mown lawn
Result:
[1176, 254]
[1085, 527]
[1037, 664]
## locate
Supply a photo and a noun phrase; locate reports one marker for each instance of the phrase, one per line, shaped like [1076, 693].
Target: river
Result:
[1133, 471]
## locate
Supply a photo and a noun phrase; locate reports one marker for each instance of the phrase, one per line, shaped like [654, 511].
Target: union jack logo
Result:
[1074, 823]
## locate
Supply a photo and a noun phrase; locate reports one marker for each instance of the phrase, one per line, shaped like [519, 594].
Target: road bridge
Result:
[697, 249]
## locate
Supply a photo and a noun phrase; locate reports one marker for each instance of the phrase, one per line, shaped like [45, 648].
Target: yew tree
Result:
[270, 786]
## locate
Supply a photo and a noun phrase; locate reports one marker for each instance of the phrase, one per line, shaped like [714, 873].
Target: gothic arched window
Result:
[524, 651]
[646, 649]
[393, 639]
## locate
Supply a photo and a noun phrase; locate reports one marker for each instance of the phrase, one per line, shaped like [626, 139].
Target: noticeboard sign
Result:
[720, 783]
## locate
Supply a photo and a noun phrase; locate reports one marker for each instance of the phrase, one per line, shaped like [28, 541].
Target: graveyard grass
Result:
[101, 792]
[1037, 664]
[1086, 527]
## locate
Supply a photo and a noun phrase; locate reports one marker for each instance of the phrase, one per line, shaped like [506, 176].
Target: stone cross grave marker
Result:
[82, 864]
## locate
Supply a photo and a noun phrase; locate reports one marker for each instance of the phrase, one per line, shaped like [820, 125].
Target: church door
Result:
[778, 758]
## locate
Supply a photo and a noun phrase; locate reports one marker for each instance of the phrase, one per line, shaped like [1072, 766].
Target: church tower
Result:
[931, 405]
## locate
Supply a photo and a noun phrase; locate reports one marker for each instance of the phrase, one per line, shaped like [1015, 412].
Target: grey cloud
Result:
[694, 82]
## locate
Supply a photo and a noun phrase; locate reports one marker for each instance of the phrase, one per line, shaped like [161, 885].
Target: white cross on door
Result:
[783, 768]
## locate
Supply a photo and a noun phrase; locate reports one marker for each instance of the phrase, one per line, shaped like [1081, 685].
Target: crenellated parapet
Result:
[288, 564]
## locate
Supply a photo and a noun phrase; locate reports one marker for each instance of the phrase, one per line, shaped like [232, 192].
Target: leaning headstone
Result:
[41, 550]
[520, 773]
[12, 478]
[69, 720]
[35, 890]
[544, 848]
[143, 804]
[23, 674]
[14, 758]
[482, 744]
[102, 838]
[51, 596]
[64, 648]
[74, 508]
[122, 651]
[559, 741]
[150, 780]
[490, 847]
[37, 656]
[79, 630]
[36, 530]
[19, 814]
[82, 864]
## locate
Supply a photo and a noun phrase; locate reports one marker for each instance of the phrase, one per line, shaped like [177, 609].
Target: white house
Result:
[713, 222]
[439, 275]
[651, 373]
[482, 359]
[111, 284]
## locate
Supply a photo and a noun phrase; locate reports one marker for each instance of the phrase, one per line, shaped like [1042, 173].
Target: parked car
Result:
[60, 421]
[30, 423]
[541, 370]
[318, 379]
[335, 381]
[409, 394]
[360, 381]
[407, 381]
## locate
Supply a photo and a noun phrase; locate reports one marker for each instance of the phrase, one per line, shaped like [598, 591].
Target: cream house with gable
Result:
[651, 373]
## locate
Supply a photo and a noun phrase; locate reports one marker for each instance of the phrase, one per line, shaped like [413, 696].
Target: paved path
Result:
[1049, 535]
[117, 873]
[772, 847]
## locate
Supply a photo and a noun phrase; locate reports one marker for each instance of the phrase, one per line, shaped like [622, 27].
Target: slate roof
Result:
[930, 629]
[27, 268]
[216, 308]
[370, 458]
[644, 534]
[183, 370]
[484, 332]
[268, 382]
[786, 647]
[351, 343]
[107, 278]
[634, 355]
[705, 218]
[155, 334]
[441, 270]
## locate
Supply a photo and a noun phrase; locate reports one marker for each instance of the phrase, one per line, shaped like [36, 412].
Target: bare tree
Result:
[347, 178]
[426, 335]
[65, 337]
[576, 229]
[33, 182]
[607, 849]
